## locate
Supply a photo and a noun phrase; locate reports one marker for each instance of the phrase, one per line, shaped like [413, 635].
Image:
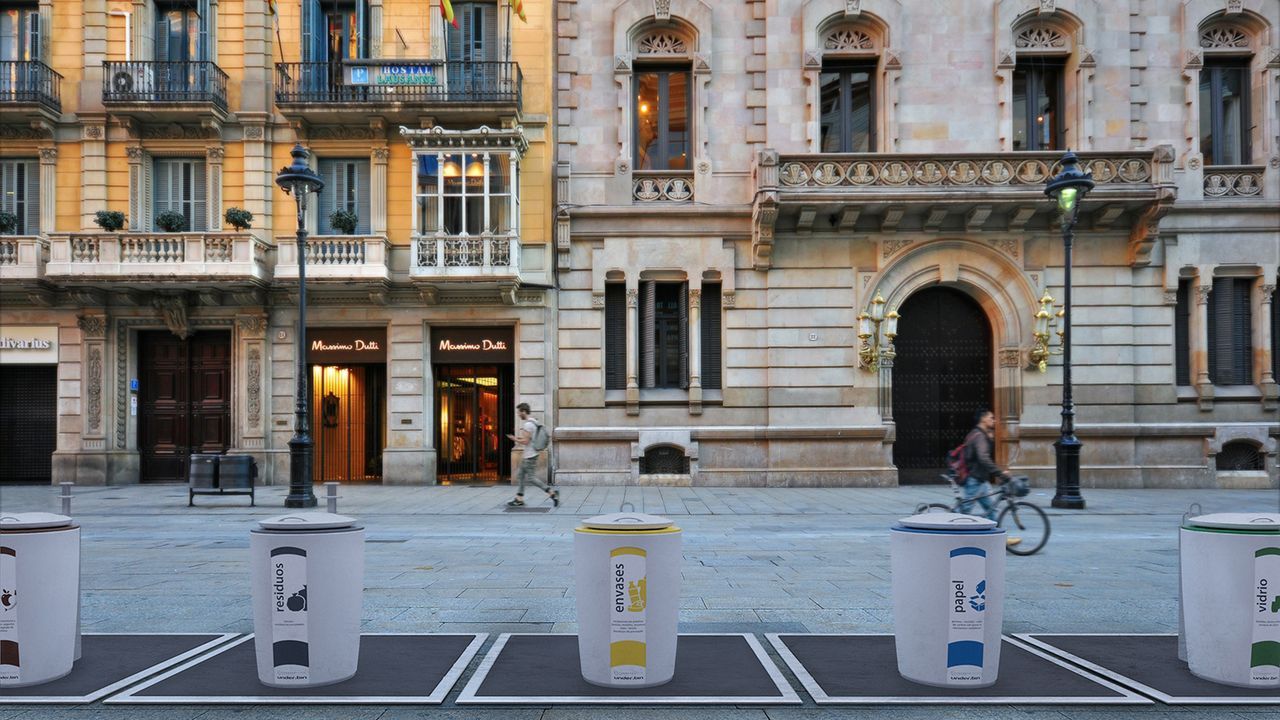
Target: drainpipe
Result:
[128, 32]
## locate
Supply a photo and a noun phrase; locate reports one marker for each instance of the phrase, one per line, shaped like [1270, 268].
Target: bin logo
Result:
[1264, 654]
[629, 599]
[9, 665]
[289, 639]
[968, 602]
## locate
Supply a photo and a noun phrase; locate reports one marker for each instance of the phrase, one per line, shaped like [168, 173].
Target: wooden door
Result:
[185, 401]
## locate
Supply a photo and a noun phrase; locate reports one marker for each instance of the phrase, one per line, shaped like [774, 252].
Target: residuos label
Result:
[629, 597]
[10, 664]
[289, 646]
[965, 632]
[1264, 657]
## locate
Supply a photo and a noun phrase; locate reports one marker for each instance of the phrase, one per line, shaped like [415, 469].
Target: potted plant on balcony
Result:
[8, 223]
[109, 220]
[344, 221]
[239, 218]
[170, 221]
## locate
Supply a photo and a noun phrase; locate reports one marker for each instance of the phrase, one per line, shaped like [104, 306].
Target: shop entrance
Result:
[28, 422]
[475, 415]
[347, 408]
[186, 401]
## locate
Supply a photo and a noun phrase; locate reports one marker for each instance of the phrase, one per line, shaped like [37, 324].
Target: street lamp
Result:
[299, 180]
[1068, 188]
[872, 352]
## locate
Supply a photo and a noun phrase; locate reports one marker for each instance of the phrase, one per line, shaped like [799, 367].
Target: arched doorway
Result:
[941, 375]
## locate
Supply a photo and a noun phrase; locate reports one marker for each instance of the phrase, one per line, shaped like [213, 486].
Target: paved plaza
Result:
[454, 559]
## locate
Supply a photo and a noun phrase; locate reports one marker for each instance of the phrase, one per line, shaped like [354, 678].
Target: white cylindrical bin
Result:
[948, 598]
[308, 582]
[627, 571]
[1231, 598]
[39, 597]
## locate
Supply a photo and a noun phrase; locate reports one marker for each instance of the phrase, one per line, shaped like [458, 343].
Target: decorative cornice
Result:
[93, 326]
[483, 136]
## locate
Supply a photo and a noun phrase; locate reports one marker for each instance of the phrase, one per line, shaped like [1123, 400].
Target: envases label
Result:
[965, 633]
[629, 598]
[1264, 659]
[289, 646]
[9, 661]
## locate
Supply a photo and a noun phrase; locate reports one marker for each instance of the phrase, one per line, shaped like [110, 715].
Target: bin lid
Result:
[33, 521]
[307, 521]
[627, 521]
[955, 522]
[1254, 522]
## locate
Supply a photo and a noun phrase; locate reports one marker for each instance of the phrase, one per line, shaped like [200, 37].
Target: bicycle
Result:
[1031, 522]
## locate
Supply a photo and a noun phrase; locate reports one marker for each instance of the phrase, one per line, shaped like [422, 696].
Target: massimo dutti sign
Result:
[473, 345]
[29, 345]
[342, 346]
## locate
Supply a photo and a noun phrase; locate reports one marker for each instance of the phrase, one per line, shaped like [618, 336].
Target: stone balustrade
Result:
[1233, 181]
[336, 257]
[155, 257]
[23, 257]
[647, 187]
[466, 255]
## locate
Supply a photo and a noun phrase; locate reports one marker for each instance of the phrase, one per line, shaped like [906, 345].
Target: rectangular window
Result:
[848, 108]
[1182, 335]
[710, 332]
[178, 186]
[1231, 332]
[467, 192]
[664, 335]
[615, 336]
[661, 113]
[20, 193]
[19, 34]
[1224, 112]
[346, 187]
[1038, 104]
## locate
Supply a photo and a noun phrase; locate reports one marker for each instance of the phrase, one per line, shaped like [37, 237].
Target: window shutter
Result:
[647, 330]
[615, 336]
[162, 37]
[1230, 336]
[202, 42]
[710, 336]
[487, 45]
[148, 195]
[199, 198]
[683, 304]
[314, 48]
[162, 190]
[34, 27]
[1181, 334]
[454, 36]
[32, 223]
[362, 29]
[324, 198]
[8, 187]
[1275, 330]
[1242, 332]
[363, 180]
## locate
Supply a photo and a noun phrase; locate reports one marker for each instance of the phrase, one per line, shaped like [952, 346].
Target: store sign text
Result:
[485, 345]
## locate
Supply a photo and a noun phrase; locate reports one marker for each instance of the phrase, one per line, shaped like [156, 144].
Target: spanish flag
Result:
[519, 8]
[446, 9]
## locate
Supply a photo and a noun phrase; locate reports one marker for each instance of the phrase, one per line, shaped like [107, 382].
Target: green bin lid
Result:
[1246, 522]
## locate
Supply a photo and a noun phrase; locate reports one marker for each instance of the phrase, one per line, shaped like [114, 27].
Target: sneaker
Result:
[555, 498]
[516, 503]
[1011, 542]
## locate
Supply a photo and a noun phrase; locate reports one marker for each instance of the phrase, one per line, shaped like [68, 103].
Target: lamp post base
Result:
[300, 492]
[1067, 496]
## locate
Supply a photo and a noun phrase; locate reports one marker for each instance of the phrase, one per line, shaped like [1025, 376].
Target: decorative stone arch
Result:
[1240, 30]
[636, 25]
[651, 439]
[1047, 28]
[853, 29]
[1257, 437]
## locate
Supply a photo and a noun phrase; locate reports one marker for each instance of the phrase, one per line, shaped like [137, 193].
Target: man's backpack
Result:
[957, 463]
[541, 437]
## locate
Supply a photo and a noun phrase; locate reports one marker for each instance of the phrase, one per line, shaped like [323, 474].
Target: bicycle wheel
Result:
[1027, 522]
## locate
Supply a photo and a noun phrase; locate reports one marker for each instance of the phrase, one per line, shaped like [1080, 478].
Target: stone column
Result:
[213, 187]
[406, 459]
[258, 181]
[48, 189]
[695, 351]
[1199, 337]
[437, 31]
[93, 348]
[1270, 391]
[46, 22]
[378, 191]
[253, 376]
[137, 187]
[213, 32]
[141, 22]
[633, 323]
[375, 28]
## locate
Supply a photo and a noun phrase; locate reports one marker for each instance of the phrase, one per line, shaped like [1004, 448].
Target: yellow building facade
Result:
[133, 348]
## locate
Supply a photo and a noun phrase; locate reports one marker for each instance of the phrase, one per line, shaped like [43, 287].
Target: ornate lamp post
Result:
[299, 180]
[873, 351]
[1068, 188]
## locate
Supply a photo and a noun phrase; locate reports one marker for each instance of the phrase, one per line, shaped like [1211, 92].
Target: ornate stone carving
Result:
[1202, 294]
[598, 301]
[891, 246]
[848, 40]
[662, 189]
[95, 388]
[695, 298]
[1048, 7]
[662, 9]
[254, 369]
[18, 132]
[1267, 292]
[341, 132]
[1170, 297]
[1222, 36]
[176, 131]
[729, 300]
[1240, 182]
[173, 310]
[94, 132]
[214, 153]
[48, 154]
[135, 153]
[1010, 357]
[1194, 162]
[253, 132]
[93, 326]
[633, 298]
[939, 170]
[1235, 7]
[381, 154]
[852, 8]
[1008, 246]
[1040, 37]
[662, 42]
[253, 324]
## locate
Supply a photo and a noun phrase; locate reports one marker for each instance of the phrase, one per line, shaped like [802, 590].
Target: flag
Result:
[446, 10]
[519, 8]
[271, 7]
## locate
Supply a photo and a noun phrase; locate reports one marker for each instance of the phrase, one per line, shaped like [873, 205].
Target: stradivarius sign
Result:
[29, 345]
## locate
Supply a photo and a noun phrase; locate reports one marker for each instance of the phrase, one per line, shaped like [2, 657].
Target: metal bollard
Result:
[66, 498]
[331, 497]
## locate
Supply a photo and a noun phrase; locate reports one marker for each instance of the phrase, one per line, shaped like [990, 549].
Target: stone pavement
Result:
[453, 559]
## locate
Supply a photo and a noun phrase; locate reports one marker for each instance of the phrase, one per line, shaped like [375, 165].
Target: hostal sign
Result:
[392, 74]
[346, 346]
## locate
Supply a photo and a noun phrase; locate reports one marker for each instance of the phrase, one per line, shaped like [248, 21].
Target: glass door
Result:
[347, 407]
[474, 417]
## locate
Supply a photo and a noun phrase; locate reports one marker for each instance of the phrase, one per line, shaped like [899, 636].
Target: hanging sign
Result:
[342, 346]
[29, 345]
[383, 74]
[473, 344]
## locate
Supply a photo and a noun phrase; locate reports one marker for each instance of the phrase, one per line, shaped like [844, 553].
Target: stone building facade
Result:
[176, 333]
[738, 183]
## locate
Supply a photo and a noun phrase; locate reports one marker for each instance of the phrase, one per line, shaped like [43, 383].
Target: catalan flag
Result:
[519, 8]
[446, 9]
[271, 7]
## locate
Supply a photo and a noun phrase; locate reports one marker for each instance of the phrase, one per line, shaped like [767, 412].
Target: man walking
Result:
[527, 473]
[979, 453]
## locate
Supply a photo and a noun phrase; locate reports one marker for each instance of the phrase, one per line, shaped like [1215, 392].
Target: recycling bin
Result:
[627, 574]
[39, 597]
[1231, 598]
[308, 581]
[948, 598]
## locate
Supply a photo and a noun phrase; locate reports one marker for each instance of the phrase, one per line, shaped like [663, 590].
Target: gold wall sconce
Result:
[1048, 323]
[876, 331]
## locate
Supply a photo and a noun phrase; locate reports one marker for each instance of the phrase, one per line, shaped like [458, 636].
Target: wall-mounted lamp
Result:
[1047, 323]
[876, 330]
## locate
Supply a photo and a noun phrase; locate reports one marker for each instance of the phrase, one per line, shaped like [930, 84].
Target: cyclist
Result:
[979, 451]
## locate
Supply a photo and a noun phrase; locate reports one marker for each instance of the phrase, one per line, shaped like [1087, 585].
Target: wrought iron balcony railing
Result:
[30, 81]
[305, 83]
[139, 82]
[466, 255]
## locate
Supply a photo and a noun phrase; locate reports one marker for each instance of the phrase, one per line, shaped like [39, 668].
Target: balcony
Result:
[962, 193]
[30, 90]
[23, 257]
[337, 258]
[157, 91]
[147, 260]
[399, 90]
[479, 257]
[1234, 181]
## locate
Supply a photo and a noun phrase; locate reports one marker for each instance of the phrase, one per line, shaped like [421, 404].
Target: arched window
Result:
[1224, 97]
[1239, 455]
[847, 92]
[662, 89]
